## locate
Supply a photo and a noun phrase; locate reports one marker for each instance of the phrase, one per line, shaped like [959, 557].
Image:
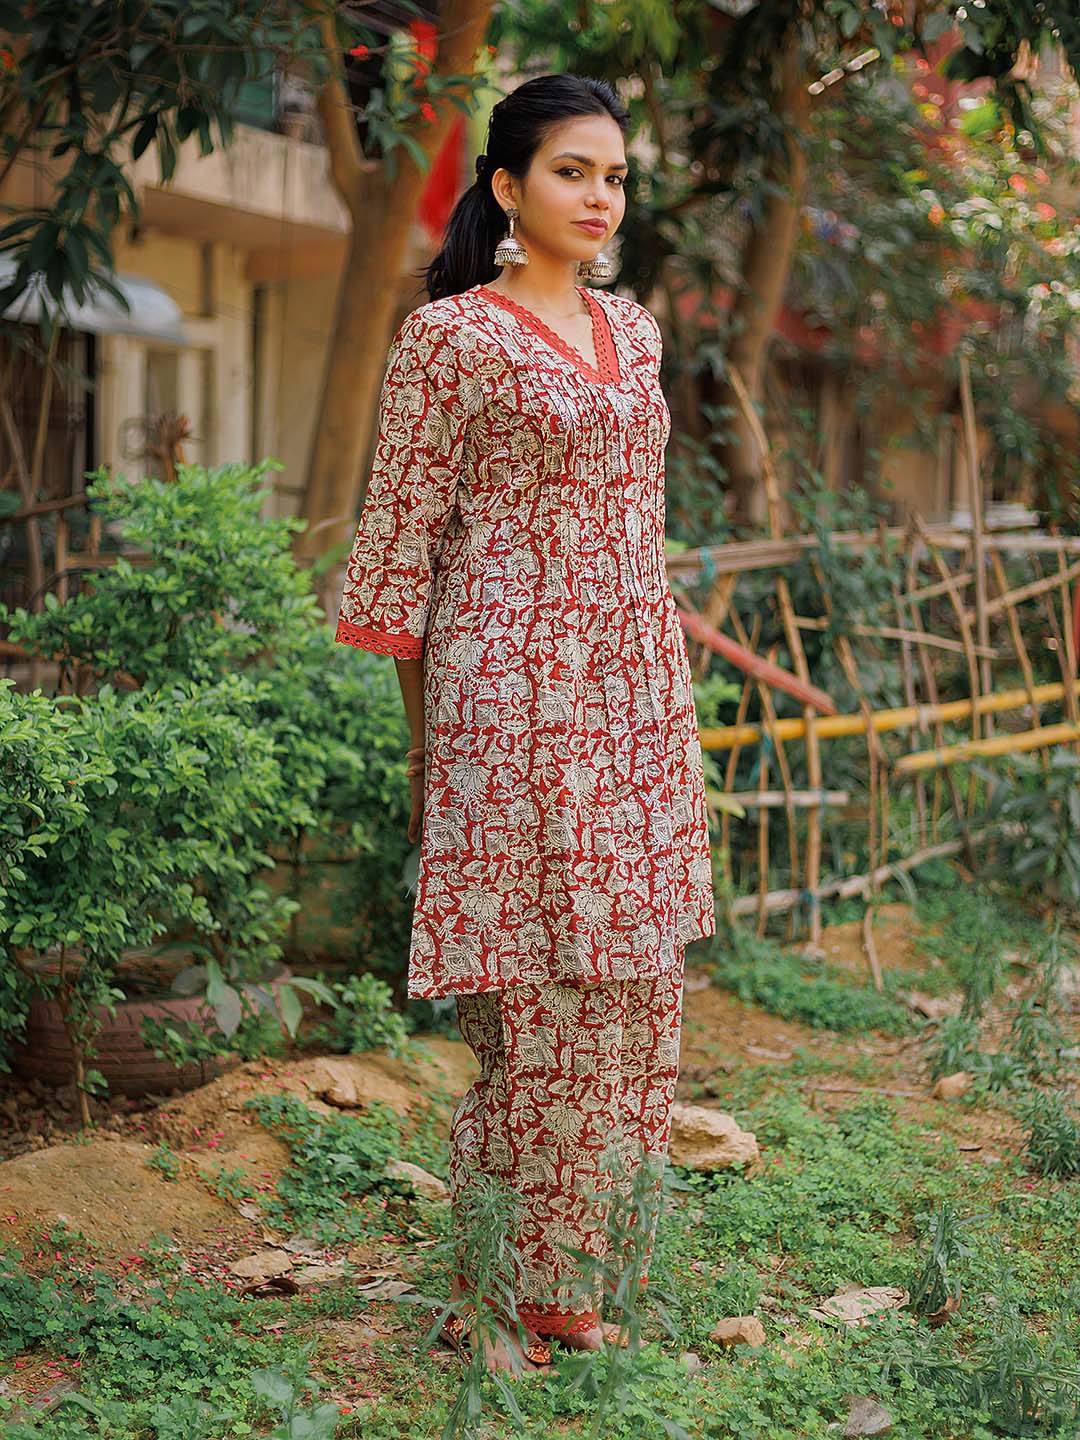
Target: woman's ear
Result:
[502, 187]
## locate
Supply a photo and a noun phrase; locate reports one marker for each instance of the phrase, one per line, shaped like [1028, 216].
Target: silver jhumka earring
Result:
[598, 268]
[509, 250]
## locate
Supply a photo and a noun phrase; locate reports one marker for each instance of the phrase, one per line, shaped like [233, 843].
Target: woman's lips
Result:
[594, 227]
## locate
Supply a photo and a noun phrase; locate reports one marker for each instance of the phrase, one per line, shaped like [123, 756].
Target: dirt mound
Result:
[105, 1188]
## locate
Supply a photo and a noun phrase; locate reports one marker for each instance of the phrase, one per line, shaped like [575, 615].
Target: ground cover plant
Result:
[963, 1209]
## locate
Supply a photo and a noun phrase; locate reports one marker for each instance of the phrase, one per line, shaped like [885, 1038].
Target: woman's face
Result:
[577, 174]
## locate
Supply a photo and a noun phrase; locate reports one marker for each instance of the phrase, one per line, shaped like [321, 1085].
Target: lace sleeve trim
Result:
[408, 647]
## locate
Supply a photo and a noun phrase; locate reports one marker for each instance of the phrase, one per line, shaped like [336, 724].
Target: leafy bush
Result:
[221, 730]
[363, 1018]
[1040, 810]
[220, 584]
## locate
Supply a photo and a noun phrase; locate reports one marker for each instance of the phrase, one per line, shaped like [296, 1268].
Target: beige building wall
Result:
[249, 242]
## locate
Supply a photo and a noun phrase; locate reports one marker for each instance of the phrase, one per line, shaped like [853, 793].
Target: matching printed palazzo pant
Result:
[566, 1071]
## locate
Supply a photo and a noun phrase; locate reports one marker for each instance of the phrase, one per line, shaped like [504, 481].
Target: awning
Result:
[154, 314]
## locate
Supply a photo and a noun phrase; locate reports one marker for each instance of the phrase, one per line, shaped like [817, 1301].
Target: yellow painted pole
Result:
[995, 745]
[832, 726]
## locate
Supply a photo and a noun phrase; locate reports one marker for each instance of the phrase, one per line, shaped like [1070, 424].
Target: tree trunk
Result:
[382, 212]
[766, 264]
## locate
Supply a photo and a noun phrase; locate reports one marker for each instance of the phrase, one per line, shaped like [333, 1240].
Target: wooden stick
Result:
[891, 632]
[833, 726]
[717, 604]
[733, 757]
[1027, 592]
[752, 799]
[746, 555]
[1060, 649]
[978, 523]
[992, 745]
[938, 587]
[914, 607]
[769, 709]
[747, 661]
[1001, 580]
[969, 644]
[1070, 643]
[852, 885]
[45, 507]
[798, 656]
[907, 677]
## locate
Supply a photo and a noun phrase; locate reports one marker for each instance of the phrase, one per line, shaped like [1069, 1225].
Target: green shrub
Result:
[222, 730]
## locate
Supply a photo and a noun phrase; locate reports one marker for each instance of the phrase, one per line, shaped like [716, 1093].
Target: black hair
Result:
[519, 125]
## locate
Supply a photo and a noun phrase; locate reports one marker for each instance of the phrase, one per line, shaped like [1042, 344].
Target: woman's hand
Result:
[414, 768]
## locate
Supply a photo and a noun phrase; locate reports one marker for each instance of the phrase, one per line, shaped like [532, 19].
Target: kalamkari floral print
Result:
[567, 1071]
[512, 536]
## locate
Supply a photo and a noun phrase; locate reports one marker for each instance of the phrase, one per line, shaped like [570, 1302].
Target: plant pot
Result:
[129, 1065]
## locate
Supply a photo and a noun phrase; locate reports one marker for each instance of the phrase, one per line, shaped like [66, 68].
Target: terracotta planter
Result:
[130, 1066]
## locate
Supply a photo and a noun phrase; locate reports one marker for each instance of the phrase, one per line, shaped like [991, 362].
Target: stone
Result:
[426, 1185]
[951, 1086]
[704, 1139]
[866, 1417]
[738, 1330]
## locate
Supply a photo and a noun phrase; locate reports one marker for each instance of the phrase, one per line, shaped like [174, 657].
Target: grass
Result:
[864, 1190]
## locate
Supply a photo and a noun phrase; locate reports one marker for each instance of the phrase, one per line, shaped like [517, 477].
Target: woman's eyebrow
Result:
[569, 155]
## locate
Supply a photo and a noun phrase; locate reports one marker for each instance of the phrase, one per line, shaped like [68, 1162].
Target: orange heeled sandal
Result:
[455, 1332]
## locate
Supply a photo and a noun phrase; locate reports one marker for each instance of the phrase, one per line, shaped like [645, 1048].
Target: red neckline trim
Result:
[606, 371]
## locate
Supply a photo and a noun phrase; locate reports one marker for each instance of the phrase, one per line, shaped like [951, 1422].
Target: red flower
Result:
[1019, 184]
[360, 52]
[428, 112]
[1045, 211]
[7, 60]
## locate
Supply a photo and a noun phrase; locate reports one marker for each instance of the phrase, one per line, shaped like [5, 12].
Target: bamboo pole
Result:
[926, 669]
[991, 746]
[798, 657]
[743, 556]
[769, 709]
[752, 799]
[1069, 639]
[717, 604]
[978, 526]
[907, 677]
[852, 885]
[733, 757]
[1060, 646]
[1027, 592]
[906, 636]
[834, 726]
[1019, 646]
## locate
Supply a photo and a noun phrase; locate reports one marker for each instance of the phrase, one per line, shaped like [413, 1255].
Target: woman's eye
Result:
[571, 170]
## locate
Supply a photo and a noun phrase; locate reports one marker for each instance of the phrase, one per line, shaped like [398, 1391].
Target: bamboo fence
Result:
[952, 627]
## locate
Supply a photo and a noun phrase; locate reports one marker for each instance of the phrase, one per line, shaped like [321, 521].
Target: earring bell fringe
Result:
[598, 268]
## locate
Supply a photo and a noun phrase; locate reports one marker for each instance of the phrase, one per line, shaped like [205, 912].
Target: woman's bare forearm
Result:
[411, 679]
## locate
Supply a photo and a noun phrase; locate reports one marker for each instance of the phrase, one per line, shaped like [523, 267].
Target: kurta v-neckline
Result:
[606, 370]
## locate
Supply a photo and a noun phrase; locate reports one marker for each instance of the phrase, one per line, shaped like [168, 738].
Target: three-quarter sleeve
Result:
[410, 495]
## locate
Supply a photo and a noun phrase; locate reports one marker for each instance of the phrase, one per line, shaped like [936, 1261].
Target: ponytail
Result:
[475, 227]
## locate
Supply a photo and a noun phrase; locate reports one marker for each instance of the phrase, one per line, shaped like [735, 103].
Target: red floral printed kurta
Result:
[513, 536]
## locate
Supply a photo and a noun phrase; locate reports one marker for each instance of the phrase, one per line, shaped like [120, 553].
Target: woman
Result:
[510, 555]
